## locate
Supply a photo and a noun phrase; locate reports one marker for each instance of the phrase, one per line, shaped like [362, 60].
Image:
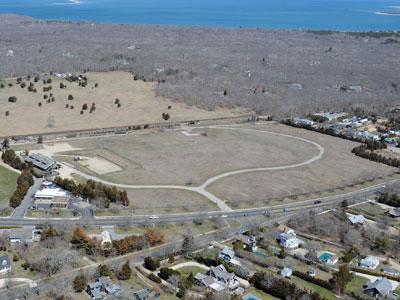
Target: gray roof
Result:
[97, 293]
[142, 294]
[40, 161]
[24, 233]
[5, 262]
[357, 219]
[94, 285]
[395, 212]
[221, 272]
[382, 286]
[391, 270]
[228, 252]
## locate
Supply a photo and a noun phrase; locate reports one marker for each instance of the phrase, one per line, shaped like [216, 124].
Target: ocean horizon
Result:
[341, 15]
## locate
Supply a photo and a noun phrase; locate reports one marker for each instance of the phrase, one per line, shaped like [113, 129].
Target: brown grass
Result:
[338, 168]
[138, 100]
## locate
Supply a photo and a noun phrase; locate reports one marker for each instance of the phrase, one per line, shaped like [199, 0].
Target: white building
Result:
[106, 241]
[370, 262]
[51, 197]
[289, 241]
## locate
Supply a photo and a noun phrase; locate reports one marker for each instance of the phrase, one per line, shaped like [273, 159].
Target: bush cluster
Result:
[94, 190]
[389, 199]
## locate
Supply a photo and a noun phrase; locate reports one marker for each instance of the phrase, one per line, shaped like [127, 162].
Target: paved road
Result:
[201, 189]
[316, 204]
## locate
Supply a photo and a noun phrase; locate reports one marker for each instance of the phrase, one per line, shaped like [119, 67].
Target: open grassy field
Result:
[139, 105]
[8, 184]
[175, 158]
[338, 168]
[168, 201]
[171, 157]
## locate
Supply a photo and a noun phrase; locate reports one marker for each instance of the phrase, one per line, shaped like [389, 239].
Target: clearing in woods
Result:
[139, 105]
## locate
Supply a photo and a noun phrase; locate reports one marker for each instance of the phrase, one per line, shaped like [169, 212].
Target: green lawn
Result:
[313, 287]
[8, 184]
[260, 294]
[356, 284]
[187, 270]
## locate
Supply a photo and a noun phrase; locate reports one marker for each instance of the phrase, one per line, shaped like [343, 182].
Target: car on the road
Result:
[154, 217]
[267, 213]
[317, 201]
[224, 216]
[285, 209]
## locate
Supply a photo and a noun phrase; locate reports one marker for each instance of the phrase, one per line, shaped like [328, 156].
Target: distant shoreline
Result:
[362, 33]
[388, 13]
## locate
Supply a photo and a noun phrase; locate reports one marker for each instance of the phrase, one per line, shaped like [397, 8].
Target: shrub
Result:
[70, 97]
[126, 272]
[7, 113]
[151, 263]
[12, 99]
[80, 283]
[154, 278]
[15, 257]
[84, 106]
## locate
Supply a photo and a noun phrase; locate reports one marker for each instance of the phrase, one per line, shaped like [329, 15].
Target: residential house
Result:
[286, 272]
[391, 271]
[289, 241]
[300, 121]
[248, 241]
[106, 241]
[282, 228]
[5, 264]
[102, 287]
[356, 219]
[142, 294]
[26, 234]
[95, 291]
[227, 254]
[395, 212]
[370, 262]
[217, 279]
[381, 288]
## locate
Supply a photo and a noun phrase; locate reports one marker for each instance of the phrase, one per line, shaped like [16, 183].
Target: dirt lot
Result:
[338, 168]
[174, 158]
[139, 105]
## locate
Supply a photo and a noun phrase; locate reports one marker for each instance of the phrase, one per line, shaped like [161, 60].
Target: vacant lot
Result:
[138, 101]
[173, 158]
[8, 184]
[338, 168]
[162, 202]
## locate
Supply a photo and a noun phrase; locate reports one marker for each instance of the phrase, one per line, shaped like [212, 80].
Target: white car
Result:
[224, 216]
[154, 217]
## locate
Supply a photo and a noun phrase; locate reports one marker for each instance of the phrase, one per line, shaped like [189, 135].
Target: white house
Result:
[106, 241]
[227, 254]
[289, 241]
[5, 264]
[356, 219]
[370, 262]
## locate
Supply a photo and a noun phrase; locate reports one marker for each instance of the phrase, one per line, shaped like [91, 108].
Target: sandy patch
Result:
[99, 165]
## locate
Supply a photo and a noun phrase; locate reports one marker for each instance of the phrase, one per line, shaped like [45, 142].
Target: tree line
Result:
[365, 152]
[25, 179]
[93, 190]
[24, 182]
[80, 240]
[389, 199]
